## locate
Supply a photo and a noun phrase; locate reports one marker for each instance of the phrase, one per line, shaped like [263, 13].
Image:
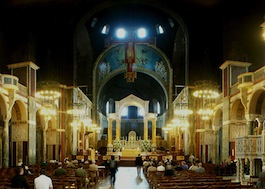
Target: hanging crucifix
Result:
[130, 75]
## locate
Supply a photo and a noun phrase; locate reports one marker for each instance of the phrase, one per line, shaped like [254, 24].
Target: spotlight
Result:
[121, 33]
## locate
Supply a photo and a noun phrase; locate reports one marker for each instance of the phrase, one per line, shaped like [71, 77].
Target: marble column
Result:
[241, 170]
[6, 144]
[154, 134]
[44, 141]
[86, 142]
[249, 128]
[74, 142]
[118, 128]
[215, 147]
[110, 146]
[145, 129]
[238, 170]
[176, 138]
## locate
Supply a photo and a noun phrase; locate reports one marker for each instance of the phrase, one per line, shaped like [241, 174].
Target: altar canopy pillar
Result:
[86, 142]
[110, 120]
[176, 138]
[145, 129]
[154, 132]
[118, 128]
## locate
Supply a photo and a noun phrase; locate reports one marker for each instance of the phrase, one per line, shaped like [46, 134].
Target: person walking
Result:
[139, 164]
[261, 179]
[19, 180]
[43, 181]
[113, 167]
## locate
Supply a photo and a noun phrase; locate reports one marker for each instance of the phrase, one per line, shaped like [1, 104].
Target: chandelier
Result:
[78, 112]
[48, 112]
[77, 109]
[206, 92]
[181, 109]
[48, 93]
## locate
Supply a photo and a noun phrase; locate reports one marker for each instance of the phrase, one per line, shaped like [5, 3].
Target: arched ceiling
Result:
[131, 16]
[144, 87]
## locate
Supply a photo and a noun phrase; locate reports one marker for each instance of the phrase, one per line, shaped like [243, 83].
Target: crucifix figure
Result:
[130, 60]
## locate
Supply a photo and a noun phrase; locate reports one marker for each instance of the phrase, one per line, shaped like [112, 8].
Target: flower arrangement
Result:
[117, 145]
[145, 145]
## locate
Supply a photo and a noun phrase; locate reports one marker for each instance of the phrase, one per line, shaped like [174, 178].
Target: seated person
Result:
[169, 169]
[82, 175]
[59, 171]
[184, 165]
[150, 169]
[160, 166]
[200, 169]
[193, 167]
[93, 171]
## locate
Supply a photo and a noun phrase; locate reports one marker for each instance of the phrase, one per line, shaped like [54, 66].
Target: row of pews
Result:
[191, 180]
[69, 180]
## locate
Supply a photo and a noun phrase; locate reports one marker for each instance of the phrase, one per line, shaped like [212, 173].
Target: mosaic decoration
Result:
[140, 57]
[20, 132]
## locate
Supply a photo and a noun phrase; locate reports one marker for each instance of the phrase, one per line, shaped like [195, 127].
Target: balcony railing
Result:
[245, 79]
[249, 145]
[9, 81]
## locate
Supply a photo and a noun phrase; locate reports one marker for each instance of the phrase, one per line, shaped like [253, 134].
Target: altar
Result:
[132, 146]
[130, 152]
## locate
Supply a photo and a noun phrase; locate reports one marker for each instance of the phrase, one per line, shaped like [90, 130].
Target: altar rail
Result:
[251, 145]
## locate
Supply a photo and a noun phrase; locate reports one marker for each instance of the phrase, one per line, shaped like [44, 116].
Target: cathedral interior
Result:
[131, 88]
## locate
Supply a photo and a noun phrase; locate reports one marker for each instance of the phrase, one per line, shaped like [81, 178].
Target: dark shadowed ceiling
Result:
[43, 31]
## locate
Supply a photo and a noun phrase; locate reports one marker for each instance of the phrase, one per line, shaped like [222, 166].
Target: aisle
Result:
[126, 177]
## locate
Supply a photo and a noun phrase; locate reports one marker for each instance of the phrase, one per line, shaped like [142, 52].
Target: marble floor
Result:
[126, 178]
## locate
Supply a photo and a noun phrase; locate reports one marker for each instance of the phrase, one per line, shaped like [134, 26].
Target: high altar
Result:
[131, 145]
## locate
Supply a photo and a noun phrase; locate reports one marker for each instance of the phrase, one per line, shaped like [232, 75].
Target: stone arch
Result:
[218, 119]
[20, 132]
[132, 100]
[237, 110]
[19, 111]
[83, 54]
[237, 120]
[256, 103]
[164, 85]
[3, 107]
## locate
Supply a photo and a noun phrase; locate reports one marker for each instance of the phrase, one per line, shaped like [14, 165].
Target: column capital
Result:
[151, 116]
[112, 116]
[251, 117]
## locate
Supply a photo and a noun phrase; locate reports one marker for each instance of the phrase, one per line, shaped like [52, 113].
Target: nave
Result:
[126, 178]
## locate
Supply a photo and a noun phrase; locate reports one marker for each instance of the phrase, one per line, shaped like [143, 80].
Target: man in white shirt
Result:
[160, 166]
[43, 181]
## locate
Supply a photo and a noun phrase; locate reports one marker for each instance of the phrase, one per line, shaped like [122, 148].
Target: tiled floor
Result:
[126, 178]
